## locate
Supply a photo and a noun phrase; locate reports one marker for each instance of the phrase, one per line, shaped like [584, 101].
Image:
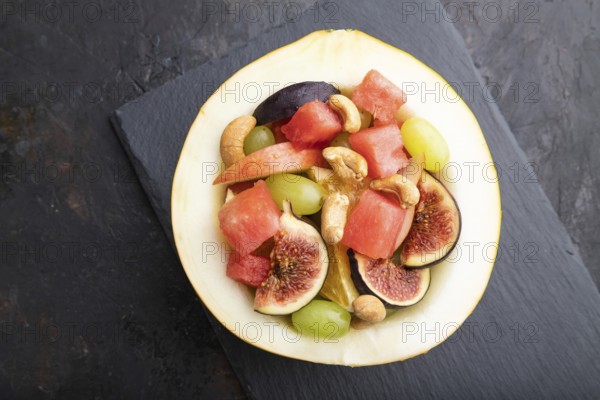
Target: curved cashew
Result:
[232, 139]
[333, 217]
[347, 111]
[368, 308]
[406, 190]
[318, 174]
[346, 163]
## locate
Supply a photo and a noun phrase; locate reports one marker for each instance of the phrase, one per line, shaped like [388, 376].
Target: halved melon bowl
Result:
[457, 284]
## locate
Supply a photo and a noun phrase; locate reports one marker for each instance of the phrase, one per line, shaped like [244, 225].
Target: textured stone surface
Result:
[92, 300]
[545, 55]
[503, 347]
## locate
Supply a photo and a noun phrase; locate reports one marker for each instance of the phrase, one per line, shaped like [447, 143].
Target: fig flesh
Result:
[299, 266]
[284, 103]
[395, 285]
[435, 228]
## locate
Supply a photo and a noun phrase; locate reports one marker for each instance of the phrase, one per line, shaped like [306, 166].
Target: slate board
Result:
[534, 333]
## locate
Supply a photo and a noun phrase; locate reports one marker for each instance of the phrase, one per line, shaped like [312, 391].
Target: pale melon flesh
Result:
[342, 58]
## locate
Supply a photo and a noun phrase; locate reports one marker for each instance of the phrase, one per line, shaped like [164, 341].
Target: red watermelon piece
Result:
[383, 149]
[379, 96]
[277, 158]
[248, 269]
[314, 124]
[374, 225]
[250, 218]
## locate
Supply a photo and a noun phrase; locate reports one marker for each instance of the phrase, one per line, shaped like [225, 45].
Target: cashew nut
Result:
[318, 174]
[232, 139]
[406, 190]
[333, 217]
[347, 111]
[368, 308]
[346, 163]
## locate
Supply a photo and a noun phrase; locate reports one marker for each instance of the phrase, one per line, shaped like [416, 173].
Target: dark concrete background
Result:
[545, 56]
[90, 301]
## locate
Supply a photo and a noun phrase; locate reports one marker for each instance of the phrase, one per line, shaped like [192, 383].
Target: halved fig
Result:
[395, 285]
[435, 228]
[299, 266]
[284, 103]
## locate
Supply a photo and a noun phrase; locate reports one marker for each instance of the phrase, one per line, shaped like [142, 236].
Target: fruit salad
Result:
[333, 209]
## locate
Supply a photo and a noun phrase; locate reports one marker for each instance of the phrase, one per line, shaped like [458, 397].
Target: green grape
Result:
[419, 136]
[341, 140]
[306, 196]
[258, 138]
[322, 319]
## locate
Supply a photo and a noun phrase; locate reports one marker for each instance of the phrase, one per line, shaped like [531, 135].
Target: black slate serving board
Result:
[536, 330]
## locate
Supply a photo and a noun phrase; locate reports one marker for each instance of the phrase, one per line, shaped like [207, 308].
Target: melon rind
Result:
[457, 284]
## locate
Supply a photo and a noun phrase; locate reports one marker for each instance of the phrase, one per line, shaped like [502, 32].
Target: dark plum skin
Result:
[284, 103]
